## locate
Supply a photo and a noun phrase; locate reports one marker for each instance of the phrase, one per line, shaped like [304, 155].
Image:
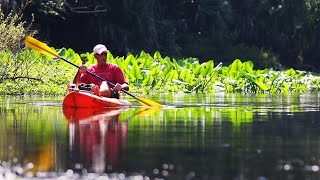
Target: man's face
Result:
[101, 57]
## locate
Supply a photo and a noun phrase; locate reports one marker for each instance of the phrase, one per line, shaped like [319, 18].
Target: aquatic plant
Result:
[32, 73]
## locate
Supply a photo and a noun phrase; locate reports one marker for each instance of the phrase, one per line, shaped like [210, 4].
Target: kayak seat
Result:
[86, 87]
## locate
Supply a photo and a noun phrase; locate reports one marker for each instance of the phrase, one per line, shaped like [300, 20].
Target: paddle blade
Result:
[40, 47]
[148, 102]
[148, 111]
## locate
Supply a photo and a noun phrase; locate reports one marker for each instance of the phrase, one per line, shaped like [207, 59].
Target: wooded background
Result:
[265, 31]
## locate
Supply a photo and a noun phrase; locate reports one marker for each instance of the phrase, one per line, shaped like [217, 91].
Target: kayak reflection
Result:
[97, 139]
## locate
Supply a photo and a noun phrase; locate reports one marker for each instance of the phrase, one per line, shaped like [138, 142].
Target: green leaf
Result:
[136, 72]
[154, 71]
[176, 64]
[198, 69]
[240, 85]
[157, 55]
[236, 65]
[110, 57]
[182, 63]
[185, 74]
[235, 69]
[90, 58]
[261, 85]
[173, 74]
[147, 81]
[208, 68]
[290, 72]
[248, 66]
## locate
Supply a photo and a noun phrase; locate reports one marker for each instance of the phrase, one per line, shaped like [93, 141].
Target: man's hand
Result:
[83, 69]
[76, 79]
[117, 87]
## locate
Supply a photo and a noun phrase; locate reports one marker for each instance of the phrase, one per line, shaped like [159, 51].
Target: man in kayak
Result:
[104, 69]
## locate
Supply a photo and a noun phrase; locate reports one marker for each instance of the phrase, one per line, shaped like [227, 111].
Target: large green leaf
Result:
[235, 69]
[157, 55]
[208, 68]
[185, 74]
[236, 65]
[290, 72]
[248, 66]
[192, 63]
[136, 72]
[90, 58]
[198, 70]
[147, 81]
[154, 71]
[110, 57]
[176, 64]
[261, 85]
[173, 74]
[182, 63]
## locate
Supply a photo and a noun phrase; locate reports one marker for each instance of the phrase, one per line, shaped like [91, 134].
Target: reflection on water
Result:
[96, 137]
[197, 136]
[43, 159]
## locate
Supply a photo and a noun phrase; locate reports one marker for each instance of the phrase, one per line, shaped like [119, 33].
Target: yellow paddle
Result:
[44, 49]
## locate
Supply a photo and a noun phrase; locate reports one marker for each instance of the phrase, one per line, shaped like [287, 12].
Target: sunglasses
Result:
[102, 54]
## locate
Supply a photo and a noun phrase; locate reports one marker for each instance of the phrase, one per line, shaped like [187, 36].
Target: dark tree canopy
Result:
[223, 30]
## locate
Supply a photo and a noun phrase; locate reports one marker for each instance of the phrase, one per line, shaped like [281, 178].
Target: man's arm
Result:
[76, 79]
[121, 80]
[125, 86]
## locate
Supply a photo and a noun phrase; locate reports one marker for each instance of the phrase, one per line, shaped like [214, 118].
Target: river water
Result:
[196, 136]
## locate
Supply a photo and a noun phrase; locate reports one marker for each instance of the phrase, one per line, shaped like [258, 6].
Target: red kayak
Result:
[89, 100]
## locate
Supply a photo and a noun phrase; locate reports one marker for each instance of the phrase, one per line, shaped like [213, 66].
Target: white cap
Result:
[100, 48]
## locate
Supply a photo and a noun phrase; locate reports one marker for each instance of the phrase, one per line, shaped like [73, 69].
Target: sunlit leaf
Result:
[157, 55]
[176, 64]
[147, 81]
[110, 57]
[198, 69]
[261, 85]
[166, 69]
[248, 66]
[236, 65]
[290, 72]
[173, 74]
[136, 72]
[154, 71]
[127, 60]
[240, 85]
[185, 74]
[208, 68]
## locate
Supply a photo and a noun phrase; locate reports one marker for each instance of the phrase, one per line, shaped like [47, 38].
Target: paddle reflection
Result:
[97, 138]
[42, 161]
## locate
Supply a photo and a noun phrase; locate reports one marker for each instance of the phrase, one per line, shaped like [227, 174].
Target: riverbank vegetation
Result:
[150, 73]
[25, 71]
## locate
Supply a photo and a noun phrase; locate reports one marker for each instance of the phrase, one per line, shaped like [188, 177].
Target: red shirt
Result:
[110, 72]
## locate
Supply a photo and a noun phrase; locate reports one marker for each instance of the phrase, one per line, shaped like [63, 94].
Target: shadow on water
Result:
[196, 136]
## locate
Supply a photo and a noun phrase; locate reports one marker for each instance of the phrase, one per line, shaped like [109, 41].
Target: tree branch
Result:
[86, 9]
[22, 77]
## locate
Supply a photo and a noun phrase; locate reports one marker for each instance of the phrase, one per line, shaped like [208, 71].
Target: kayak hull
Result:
[89, 100]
